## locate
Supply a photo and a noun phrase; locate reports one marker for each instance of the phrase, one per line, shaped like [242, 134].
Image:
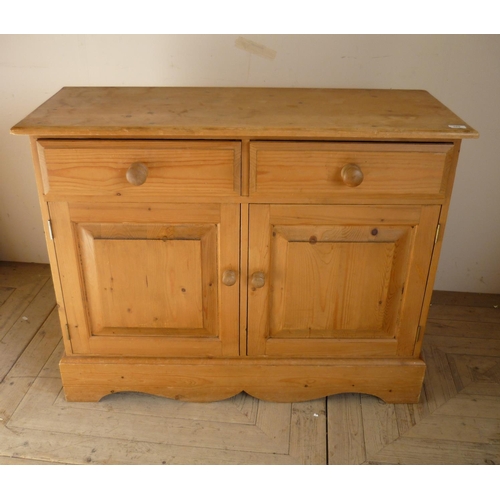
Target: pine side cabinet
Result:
[208, 241]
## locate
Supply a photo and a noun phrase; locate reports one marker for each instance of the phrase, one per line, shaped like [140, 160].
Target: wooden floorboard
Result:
[22, 461]
[465, 299]
[457, 420]
[346, 438]
[17, 337]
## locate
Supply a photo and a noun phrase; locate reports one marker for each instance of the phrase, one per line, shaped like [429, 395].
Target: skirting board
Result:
[205, 380]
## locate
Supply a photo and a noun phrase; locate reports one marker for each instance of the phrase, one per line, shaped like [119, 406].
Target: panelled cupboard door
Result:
[144, 279]
[342, 281]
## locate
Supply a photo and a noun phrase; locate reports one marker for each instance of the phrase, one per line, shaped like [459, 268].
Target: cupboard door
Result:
[343, 281]
[149, 279]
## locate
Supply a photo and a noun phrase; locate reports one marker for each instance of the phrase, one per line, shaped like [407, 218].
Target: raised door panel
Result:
[150, 279]
[344, 281]
[147, 280]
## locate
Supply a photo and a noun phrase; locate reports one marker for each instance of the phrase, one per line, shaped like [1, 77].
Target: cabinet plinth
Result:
[281, 242]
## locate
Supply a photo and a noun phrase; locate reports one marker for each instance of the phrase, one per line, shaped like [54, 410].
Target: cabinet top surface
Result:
[244, 112]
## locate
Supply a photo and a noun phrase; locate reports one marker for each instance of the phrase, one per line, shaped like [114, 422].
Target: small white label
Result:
[457, 126]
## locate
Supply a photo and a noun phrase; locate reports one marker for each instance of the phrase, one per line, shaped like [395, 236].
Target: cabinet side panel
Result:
[50, 244]
[443, 216]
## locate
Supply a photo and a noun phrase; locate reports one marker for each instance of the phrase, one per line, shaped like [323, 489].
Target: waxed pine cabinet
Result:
[208, 241]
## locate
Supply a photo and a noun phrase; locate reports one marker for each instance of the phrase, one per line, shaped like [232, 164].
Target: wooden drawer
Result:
[175, 168]
[315, 170]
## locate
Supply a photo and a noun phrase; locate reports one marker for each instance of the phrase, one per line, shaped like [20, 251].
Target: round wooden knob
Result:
[351, 175]
[137, 174]
[229, 277]
[258, 279]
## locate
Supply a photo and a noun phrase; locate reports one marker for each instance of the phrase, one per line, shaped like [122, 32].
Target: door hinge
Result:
[437, 233]
[68, 336]
[419, 330]
[51, 234]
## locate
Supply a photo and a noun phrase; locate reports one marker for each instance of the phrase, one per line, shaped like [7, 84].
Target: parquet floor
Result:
[456, 422]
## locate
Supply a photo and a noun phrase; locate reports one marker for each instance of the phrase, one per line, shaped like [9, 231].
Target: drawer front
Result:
[315, 170]
[139, 170]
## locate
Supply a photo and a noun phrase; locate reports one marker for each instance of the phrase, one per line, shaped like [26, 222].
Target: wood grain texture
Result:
[228, 257]
[44, 208]
[461, 426]
[14, 338]
[245, 243]
[5, 292]
[259, 241]
[131, 288]
[346, 439]
[310, 443]
[18, 297]
[149, 278]
[305, 169]
[156, 277]
[228, 433]
[339, 280]
[254, 112]
[438, 242]
[244, 228]
[90, 379]
[318, 281]
[418, 277]
[440, 297]
[100, 168]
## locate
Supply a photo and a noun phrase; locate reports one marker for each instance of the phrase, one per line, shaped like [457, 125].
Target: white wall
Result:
[462, 71]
